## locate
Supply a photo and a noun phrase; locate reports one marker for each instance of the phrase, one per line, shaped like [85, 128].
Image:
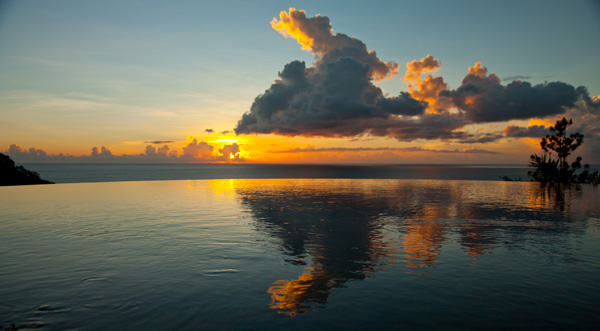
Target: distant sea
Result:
[102, 172]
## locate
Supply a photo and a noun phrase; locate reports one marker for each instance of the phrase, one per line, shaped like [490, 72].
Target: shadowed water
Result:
[299, 253]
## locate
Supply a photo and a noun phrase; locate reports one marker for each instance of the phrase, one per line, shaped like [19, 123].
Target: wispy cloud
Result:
[313, 149]
[516, 77]
[158, 142]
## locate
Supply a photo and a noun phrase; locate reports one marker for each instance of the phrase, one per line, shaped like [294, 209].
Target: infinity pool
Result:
[299, 254]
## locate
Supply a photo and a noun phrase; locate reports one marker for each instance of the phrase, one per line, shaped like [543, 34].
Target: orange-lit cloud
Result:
[288, 26]
[315, 34]
[480, 71]
[425, 90]
[230, 152]
[414, 69]
[197, 149]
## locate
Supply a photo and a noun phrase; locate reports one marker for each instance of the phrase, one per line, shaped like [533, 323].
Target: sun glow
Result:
[228, 141]
[543, 122]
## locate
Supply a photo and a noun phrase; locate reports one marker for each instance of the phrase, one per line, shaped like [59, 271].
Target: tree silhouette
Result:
[17, 175]
[549, 170]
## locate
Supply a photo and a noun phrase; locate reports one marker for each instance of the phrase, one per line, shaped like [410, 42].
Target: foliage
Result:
[558, 170]
[17, 175]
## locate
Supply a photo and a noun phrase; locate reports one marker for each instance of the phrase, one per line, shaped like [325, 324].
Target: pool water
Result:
[299, 253]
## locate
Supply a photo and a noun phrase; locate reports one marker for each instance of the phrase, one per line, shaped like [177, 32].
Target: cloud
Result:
[315, 34]
[159, 142]
[336, 96]
[193, 151]
[209, 130]
[516, 77]
[225, 132]
[200, 150]
[230, 152]
[588, 103]
[483, 99]
[153, 151]
[480, 138]
[534, 131]
[103, 152]
[17, 151]
[425, 90]
[312, 149]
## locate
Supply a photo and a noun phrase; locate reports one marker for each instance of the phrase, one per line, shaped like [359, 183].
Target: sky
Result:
[407, 82]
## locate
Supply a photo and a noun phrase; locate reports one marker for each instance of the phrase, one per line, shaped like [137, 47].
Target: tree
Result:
[17, 175]
[549, 170]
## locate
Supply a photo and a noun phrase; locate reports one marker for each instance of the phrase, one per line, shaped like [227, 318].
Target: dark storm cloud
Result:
[483, 99]
[331, 99]
[334, 97]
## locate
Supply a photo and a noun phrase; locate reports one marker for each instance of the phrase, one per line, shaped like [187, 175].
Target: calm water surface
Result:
[103, 172]
[299, 254]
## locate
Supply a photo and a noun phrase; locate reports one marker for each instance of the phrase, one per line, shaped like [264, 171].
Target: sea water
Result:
[299, 254]
[107, 172]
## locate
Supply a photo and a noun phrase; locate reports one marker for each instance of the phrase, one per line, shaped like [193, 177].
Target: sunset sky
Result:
[326, 82]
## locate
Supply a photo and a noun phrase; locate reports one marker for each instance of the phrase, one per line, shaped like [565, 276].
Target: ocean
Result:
[101, 172]
[298, 254]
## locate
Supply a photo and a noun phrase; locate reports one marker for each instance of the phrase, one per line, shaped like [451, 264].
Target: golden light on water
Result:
[289, 296]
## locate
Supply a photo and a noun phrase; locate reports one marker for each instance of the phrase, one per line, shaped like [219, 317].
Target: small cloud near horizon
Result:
[193, 151]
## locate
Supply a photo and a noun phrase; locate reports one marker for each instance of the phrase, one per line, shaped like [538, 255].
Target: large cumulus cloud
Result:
[483, 98]
[316, 35]
[330, 99]
[337, 97]
[334, 96]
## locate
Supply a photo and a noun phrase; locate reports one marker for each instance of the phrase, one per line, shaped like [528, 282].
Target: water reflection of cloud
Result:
[348, 230]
